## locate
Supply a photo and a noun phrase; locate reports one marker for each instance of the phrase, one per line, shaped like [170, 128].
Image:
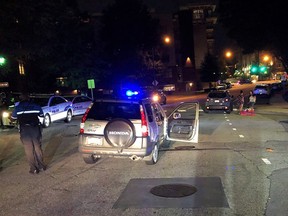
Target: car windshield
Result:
[41, 101]
[261, 87]
[108, 110]
[217, 95]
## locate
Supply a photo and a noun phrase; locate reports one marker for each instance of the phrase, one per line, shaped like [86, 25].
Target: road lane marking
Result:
[241, 136]
[266, 161]
[227, 120]
[234, 129]
[230, 123]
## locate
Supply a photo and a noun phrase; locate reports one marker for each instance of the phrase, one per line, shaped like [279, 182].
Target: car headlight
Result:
[155, 98]
[5, 114]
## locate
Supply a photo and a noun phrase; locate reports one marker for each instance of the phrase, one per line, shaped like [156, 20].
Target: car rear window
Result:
[261, 87]
[108, 110]
[217, 95]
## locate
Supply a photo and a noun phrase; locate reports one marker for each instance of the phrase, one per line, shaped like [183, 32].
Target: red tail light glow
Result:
[84, 119]
[144, 125]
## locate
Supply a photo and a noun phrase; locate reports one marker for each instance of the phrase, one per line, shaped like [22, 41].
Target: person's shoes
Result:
[43, 168]
[36, 171]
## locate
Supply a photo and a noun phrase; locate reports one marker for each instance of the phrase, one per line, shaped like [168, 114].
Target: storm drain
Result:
[173, 190]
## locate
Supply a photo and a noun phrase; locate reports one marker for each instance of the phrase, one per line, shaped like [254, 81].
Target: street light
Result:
[2, 60]
[167, 39]
[228, 54]
[266, 58]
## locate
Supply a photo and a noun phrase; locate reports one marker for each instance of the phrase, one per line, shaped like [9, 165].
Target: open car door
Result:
[183, 123]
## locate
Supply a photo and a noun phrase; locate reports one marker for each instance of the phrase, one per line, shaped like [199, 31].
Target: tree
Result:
[257, 25]
[210, 69]
[128, 31]
[48, 37]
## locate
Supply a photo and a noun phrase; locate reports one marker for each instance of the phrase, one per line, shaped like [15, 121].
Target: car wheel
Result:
[89, 158]
[153, 157]
[68, 117]
[47, 121]
[120, 133]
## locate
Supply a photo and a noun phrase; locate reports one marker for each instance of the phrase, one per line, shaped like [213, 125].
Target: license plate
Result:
[217, 101]
[96, 141]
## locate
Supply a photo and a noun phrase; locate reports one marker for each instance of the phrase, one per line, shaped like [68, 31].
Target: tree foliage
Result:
[210, 71]
[128, 31]
[257, 25]
[48, 37]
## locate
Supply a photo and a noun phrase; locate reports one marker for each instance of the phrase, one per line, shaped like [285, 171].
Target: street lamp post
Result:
[228, 56]
[166, 40]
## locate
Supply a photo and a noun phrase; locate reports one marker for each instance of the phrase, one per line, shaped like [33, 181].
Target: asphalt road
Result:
[239, 167]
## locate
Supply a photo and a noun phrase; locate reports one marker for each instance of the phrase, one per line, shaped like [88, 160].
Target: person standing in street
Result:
[284, 81]
[27, 113]
[240, 101]
[251, 100]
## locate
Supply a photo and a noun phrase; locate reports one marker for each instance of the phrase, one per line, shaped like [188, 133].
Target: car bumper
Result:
[140, 148]
[218, 107]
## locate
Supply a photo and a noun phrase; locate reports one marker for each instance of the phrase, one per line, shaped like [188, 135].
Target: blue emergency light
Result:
[130, 93]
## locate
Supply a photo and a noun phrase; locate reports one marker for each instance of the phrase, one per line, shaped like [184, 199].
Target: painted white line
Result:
[230, 123]
[241, 136]
[234, 129]
[227, 120]
[266, 161]
[226, 117]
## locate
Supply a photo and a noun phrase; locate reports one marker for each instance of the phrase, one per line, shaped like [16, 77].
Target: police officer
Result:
[27, 113]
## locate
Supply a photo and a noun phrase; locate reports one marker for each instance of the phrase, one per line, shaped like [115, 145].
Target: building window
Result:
[198, 14]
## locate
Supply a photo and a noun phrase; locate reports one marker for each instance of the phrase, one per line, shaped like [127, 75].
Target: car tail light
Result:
[82, 127]
[84, 119]
[144, 125]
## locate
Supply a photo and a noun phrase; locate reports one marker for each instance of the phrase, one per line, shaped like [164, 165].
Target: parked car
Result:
[262, 90]
[244, 81]
[54, 107]
[156, 95]
[8, 103]
[219, 100]
[80, 103]
[134, 127]
[221, 86]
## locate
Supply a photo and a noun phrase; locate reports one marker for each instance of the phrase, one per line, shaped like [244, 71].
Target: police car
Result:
[55, 108]
[134, 127]
[80, 103]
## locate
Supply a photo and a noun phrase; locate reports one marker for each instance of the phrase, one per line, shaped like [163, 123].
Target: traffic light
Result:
[2, 60]
[263, 69]
[254, 69]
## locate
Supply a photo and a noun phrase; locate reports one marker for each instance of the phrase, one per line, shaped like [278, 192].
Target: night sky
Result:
[161, 6]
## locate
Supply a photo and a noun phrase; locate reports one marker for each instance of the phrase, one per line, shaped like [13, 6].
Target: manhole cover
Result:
[173, 190]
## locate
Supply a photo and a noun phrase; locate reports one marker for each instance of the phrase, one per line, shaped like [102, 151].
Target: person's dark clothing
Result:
[27, 114]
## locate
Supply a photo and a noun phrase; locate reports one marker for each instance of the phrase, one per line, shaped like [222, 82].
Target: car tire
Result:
[120, 126]
[46, 121]
[68, 116]
[89, 158]
[153, 157]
